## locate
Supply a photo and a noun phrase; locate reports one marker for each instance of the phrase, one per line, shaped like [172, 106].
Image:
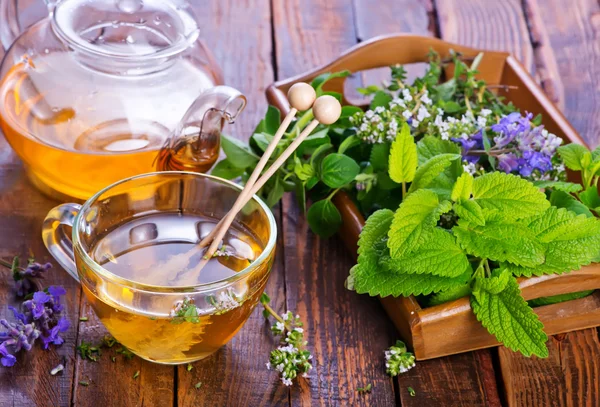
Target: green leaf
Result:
[238, 152]
[349, 110]
[430, 146]
[314, 141]
[417, 214]
[348, 143]
[571, 241]
[318, 155]
[270, 123]
[438, 254]
[403, 157]
[225, 169]
[324, 218]
[506, 315]
[262, 140]
[562, 199]
[301, 195]
[590, 197]
[573, 155]
[511, 195]
[380, 156]
[450, 294]
[463, 188]
[275, 193]
[431, 169]
[369, 90]
[555, 299]
[381, 98]
[322, 79]
[500, 240]
[369, 277]
[470, 211]
[446, 90]
[559, 185]
[338, 170]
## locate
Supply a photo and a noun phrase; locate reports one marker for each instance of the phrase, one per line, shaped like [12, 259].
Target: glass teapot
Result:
[101, 90]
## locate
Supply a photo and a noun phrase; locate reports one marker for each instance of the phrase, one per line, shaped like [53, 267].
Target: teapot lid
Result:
[126, 29]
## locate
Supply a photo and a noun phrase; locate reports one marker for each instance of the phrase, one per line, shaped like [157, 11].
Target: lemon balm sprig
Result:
[291, 358]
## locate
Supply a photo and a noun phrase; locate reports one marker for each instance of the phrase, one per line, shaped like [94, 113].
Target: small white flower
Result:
[298, 329]
[445, 135]
[394, 124]
[305, 374]
[406, 95]
[285, 316]
[415, 123]
[438, 120]
[280, 326]
[369, 114]
[287, 382]
[470, 168]
[380, 127]
[280, 367]
[425, 99]
[481, 121]
[268, 364]
[375, 119]
[407, 114]
[485, 112]
[379, 109]
[422, 113]
[364, 127]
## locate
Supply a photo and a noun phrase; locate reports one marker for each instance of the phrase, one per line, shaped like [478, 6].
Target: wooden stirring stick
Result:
[301, 97]
[326, 110]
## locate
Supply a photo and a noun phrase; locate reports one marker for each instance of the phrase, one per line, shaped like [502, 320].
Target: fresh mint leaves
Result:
[499, 306]
[499, 221]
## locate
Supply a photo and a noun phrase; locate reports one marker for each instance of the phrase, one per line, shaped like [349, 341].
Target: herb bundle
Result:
[40, 315]
[463, 193]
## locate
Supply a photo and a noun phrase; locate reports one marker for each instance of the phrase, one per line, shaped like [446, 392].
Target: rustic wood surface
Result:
[257, 42]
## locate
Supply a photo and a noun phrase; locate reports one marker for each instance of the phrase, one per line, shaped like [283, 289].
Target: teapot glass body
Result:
[91, 94]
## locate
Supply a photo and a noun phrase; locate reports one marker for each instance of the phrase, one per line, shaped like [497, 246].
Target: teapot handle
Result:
[195, 143]
[10, 27]
[55, 238]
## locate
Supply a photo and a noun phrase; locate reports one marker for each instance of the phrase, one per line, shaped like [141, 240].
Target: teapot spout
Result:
[195, 143]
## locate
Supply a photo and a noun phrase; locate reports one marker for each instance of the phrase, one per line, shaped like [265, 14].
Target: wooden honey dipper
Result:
[326, 110]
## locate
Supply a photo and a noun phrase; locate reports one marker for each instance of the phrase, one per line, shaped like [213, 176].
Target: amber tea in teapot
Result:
[91, 94]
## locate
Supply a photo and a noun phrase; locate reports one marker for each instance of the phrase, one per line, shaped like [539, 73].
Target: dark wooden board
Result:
[347, 333]
[22, 210]
[239, 33]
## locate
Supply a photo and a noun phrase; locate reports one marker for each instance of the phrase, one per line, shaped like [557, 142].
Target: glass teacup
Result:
[134, 250]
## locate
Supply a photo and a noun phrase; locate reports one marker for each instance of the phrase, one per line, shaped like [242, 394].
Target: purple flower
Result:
[474, 141]
[51, 336]
[25, 278]
[40, 319]
[506, 122]
[37, 306]
[56, 292]
[508, 162]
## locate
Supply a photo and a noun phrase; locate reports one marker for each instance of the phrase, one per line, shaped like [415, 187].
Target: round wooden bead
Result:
[327, 109]
[301, 96]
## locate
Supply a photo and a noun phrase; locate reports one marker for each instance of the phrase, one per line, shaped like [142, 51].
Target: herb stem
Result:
[273, 313]
[304, 119]
[6, 264]
[403, 190]
[332, 194]
[487, 268]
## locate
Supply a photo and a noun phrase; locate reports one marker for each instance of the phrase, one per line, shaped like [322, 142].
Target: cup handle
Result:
[57, 241]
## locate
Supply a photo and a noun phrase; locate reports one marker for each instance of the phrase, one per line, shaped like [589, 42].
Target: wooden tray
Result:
[452, 327]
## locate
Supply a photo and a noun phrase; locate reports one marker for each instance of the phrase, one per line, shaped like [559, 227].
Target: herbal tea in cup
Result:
[134, 249]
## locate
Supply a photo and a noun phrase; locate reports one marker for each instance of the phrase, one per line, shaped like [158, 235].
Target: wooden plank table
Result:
[257, 42]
